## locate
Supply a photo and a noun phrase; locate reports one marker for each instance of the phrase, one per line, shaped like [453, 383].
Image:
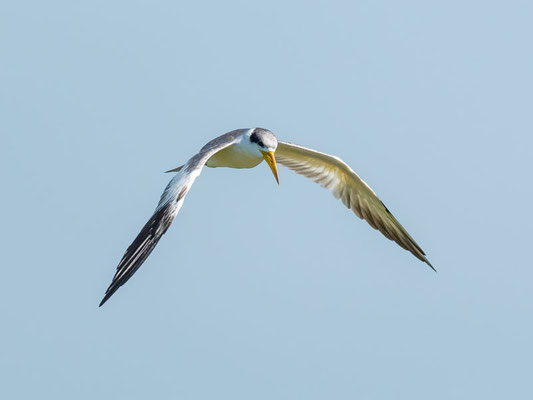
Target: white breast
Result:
[235, 156]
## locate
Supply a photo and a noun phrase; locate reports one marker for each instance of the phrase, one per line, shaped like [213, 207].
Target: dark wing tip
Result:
[141, 247]
[431, 266]
[106, 297]
[115, 285]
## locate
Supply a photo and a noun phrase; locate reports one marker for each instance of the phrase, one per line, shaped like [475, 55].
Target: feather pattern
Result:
[335, 175]
[167, 209]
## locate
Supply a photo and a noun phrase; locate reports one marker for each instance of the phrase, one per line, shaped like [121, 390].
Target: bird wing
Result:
[167, 209]
[334, 174]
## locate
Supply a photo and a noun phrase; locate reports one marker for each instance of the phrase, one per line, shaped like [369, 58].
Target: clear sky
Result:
[259, 291]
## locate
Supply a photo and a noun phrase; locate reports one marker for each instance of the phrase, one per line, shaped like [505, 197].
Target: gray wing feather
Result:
[167, 209]
[335, 175]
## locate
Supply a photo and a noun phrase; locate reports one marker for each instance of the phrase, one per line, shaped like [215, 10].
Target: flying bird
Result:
[246, 148]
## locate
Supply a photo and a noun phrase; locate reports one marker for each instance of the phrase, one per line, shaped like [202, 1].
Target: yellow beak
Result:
[271, 161]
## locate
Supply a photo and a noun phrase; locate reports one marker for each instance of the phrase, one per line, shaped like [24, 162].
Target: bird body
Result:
[237, 155]
[246, 148]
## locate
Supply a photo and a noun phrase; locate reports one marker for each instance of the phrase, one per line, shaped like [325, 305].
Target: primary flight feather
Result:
[246, 148]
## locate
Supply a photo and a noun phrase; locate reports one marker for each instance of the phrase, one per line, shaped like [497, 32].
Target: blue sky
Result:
[259, 291]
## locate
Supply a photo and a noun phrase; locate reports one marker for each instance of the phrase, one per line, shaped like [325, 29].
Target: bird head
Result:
[266, 143]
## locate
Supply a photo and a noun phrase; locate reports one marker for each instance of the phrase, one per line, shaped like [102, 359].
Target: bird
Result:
[247, 148]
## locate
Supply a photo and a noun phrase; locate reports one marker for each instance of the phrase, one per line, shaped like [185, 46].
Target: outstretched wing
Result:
[334, 174]
[167, 209]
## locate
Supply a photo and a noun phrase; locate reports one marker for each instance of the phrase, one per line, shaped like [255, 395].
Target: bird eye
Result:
[254, 138]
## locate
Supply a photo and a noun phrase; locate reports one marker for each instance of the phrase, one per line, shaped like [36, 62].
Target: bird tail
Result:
[175, 169]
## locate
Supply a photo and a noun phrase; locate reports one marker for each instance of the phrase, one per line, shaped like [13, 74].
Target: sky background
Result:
[259, 291]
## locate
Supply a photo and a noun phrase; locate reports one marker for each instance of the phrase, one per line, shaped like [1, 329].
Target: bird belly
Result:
[231, 157]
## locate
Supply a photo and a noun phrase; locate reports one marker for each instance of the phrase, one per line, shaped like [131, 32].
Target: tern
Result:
[247, 148]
